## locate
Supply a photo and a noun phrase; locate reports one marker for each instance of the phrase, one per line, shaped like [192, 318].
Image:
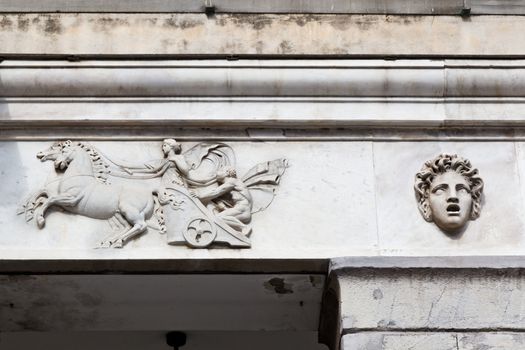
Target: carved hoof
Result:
[105, 244]
[118, 244]
[40, 221]
[29, 215]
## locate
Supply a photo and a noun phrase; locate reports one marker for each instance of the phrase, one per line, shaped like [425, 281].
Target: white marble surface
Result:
[335, 199]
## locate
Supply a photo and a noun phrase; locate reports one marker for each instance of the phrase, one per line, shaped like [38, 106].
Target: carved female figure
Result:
[177, 167]
[448, 191]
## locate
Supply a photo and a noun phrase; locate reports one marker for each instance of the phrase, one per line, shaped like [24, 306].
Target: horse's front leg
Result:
[32, 202]
[62, 200]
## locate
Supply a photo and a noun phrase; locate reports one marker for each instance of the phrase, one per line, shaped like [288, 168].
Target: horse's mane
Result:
[100, 167]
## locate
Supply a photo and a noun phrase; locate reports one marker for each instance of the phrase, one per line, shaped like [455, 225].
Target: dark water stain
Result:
[285, 47]
[256, 21]
[400, 19]
[111, 22]
[31, 324]
[6, 22]
[88, 300]
[181, 23]
[152, 20]
[259, 47]
[377, 294]
[9, 279]
[316, 281]
[279, 286]
[22, 23]
[53, 26]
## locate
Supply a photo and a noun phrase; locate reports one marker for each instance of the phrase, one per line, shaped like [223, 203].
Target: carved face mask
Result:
[450, 201]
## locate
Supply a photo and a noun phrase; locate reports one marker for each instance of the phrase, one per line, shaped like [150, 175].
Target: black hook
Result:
[209, 9]
[465, 12]
[176, 339]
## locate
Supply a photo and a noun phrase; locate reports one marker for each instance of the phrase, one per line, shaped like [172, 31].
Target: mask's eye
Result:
[462, 189]
[440, 189]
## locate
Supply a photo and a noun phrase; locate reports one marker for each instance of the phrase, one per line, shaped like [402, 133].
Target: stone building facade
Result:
[273, 175]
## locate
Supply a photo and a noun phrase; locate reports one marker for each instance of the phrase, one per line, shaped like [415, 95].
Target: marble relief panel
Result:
[300, 220]
[332, 199]
[402, 229]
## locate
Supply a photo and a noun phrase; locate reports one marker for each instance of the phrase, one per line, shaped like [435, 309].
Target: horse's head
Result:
[59, 152]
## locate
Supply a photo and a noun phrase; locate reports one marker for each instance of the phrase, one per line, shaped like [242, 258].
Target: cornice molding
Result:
[276, 78]
[265, 100]
[426, 7]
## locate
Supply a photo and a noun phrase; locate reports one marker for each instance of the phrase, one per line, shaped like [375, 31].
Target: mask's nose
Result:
[40, 155]
[453, 199]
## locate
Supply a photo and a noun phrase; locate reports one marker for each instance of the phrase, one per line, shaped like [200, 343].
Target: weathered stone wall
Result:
[260, 34]
[354, 132]
[433, 341]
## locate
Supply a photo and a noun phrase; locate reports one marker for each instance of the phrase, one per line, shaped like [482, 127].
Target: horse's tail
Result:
[158, 212]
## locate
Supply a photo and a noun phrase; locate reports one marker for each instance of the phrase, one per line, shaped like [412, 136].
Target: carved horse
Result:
[82, 189]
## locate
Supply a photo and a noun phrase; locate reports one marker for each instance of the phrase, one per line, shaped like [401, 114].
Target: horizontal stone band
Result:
[252, 78]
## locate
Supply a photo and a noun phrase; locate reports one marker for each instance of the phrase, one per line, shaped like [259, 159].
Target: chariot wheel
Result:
[200, 232]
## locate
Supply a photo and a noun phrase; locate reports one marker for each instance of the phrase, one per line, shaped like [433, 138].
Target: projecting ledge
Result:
[341, 264]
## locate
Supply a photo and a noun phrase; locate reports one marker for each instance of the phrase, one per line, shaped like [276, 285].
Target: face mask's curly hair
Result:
[439, 165]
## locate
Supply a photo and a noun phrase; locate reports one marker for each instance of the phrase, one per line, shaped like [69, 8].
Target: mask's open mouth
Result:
[453, 209]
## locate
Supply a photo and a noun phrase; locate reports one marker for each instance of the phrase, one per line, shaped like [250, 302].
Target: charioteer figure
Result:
[231, 200]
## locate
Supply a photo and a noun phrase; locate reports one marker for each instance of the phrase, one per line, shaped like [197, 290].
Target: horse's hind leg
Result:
[135, 217]
[118, 225]
[138, 228]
